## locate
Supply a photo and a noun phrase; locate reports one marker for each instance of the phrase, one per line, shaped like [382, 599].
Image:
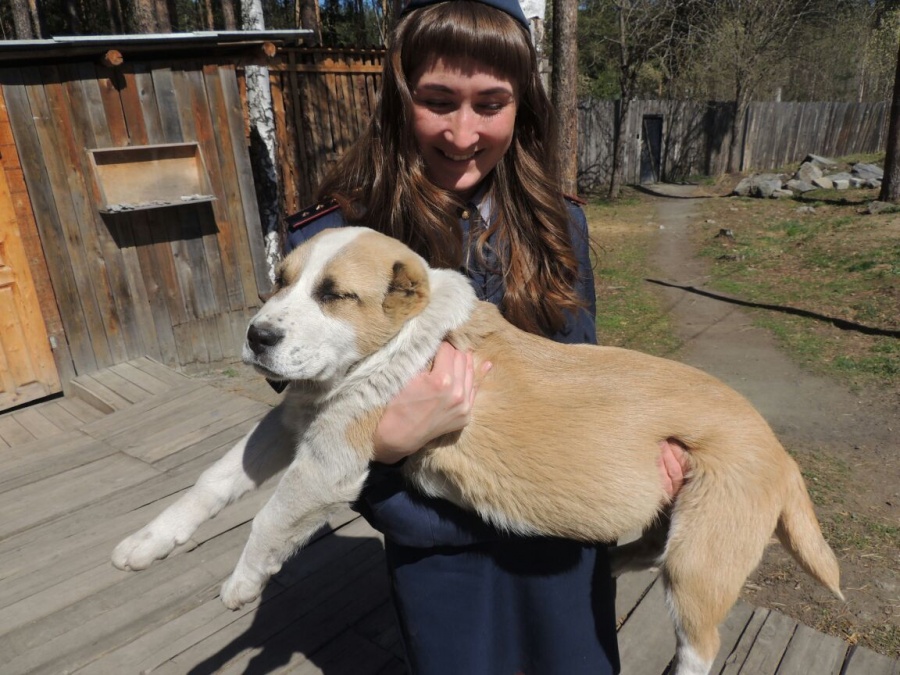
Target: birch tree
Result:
[262, 141]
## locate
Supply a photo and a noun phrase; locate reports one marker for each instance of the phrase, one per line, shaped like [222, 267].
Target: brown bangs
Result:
[468, 30]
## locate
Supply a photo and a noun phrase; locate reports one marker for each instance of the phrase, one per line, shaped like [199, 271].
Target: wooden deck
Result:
[75, 479]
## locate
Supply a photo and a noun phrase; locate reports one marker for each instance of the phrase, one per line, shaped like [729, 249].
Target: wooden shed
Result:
[129, 223]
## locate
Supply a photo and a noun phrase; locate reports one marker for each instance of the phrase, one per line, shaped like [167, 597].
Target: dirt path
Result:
[844, 435]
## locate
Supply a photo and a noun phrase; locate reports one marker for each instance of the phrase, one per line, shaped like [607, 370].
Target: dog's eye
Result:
[329, 296]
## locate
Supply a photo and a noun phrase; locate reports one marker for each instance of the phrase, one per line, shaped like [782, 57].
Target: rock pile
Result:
[815, 173]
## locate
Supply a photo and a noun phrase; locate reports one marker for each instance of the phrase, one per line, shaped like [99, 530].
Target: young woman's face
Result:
[464, 115]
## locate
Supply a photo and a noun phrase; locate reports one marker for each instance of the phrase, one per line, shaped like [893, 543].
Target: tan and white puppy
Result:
[563, 438]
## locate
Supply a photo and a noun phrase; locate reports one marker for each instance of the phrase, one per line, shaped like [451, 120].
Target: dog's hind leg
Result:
[262, 453]
[713, 547]
[311, 489]
[644, 552]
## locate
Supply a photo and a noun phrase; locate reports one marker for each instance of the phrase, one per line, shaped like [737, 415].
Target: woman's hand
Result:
[433, 403]
[673, 464]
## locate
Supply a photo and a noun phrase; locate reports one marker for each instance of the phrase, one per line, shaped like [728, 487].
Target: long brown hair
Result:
[381, 180]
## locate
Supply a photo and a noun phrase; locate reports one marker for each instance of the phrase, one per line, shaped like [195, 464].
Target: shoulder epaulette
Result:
[310, 214]
[575, 200]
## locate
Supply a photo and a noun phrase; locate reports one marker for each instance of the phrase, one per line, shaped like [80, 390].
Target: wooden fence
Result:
[695, 136]
[323, 100]
[101, 150]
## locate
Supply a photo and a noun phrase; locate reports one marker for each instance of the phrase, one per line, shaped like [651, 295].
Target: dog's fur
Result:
[563, 440]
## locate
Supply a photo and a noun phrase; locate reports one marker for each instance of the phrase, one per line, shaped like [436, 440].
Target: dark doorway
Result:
[651, 148]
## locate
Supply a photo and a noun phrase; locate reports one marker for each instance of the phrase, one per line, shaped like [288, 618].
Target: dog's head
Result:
[338, 298]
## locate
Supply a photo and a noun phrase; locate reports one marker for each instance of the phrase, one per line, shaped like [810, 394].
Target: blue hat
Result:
[511, 7]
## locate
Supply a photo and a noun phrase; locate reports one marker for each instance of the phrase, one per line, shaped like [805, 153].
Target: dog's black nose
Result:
[260, 338]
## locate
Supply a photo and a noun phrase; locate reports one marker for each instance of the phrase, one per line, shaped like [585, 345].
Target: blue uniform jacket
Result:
[471, 599]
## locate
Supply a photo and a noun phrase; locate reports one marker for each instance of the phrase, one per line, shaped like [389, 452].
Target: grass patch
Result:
[837, 262]
[629, 313]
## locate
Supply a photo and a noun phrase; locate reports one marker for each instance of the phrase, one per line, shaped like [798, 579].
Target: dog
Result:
[563, 439]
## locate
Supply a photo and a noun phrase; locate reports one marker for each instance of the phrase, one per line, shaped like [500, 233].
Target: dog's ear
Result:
[408, 290]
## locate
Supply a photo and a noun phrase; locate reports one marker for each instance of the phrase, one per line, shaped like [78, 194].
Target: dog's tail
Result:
[799, 532]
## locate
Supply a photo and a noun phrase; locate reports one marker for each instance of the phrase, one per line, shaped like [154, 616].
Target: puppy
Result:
[563, 439]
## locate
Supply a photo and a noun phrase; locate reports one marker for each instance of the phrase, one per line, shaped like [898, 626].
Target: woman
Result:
[459, 162]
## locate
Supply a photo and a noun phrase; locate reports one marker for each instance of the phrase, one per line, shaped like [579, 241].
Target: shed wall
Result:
[178, 282]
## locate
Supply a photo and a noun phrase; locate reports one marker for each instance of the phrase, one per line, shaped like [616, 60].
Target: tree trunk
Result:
[73, 17]
[228, 15]
[564, 90]
[37, 22]
[309, 18]
[262, 143]
[890, 186]
[618, 159]
[116, 19]
[736, 146]
[143, 16]
[22, 20]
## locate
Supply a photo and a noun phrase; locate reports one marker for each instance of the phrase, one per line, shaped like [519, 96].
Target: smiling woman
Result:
[463, 120]
[460, 164]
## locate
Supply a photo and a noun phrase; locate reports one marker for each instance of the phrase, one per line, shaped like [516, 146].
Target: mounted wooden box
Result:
[150, 176]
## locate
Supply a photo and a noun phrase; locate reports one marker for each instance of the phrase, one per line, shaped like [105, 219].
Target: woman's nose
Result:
[463, 129]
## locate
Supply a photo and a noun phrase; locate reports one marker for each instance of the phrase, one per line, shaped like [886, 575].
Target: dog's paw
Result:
[239, 590]
[138, 551]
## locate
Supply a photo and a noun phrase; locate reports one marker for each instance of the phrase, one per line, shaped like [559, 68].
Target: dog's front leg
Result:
[307, 494]
[262, 453]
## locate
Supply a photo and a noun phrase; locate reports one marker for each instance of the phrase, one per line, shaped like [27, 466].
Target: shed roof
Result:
[148, 45]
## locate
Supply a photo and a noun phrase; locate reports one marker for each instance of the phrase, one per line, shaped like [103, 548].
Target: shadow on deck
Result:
[75, 478]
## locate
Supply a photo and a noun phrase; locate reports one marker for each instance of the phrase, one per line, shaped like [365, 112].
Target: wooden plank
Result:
[229, 156]
[94, 257]
[38, 425]
[134, 419]
[737, 655]
[159, 370]
[97, 394]
[344, 577]
[25, 506]
[208, 634]
[812, 652]
[85, 412]
[29, 462]
[56, 413]
[12, 431]
[769, 645]
[234, 108]
[194, 418]
[154, 286]
[862, 661]
[104, 620]
[119, 385]
[630, 589]
[149, 383]
[647, 639]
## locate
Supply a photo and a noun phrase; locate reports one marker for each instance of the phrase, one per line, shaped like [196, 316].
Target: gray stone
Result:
[807, 172]
[800, 185]
[806, 209]
[856, 182]
[758, 185]
[841, 184]
[823, 182]
[841, 175]
[873, 183]
[821, 162]
[867, 171]
[880, 207]
[779, 193]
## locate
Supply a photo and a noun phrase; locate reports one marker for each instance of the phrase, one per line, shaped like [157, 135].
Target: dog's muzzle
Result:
[262, 338]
